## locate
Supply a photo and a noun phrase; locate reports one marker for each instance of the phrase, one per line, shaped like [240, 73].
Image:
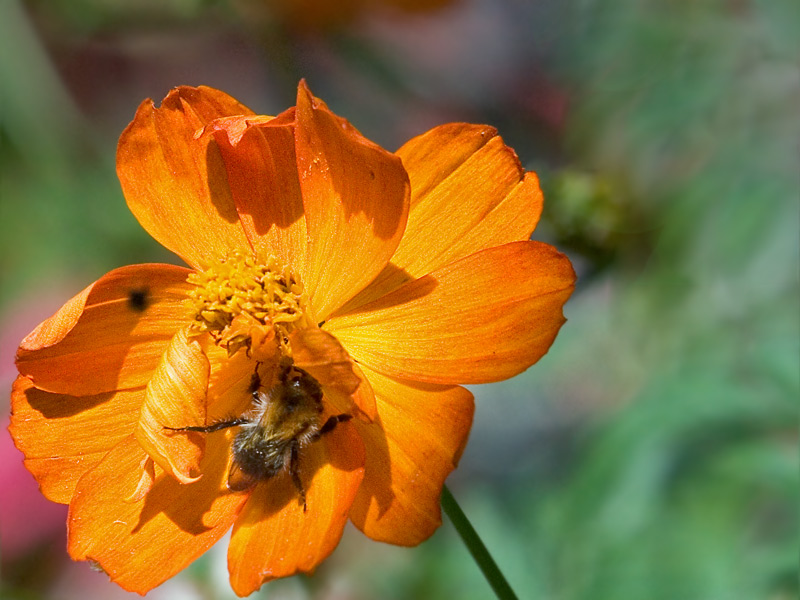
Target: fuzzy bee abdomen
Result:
[258, 457]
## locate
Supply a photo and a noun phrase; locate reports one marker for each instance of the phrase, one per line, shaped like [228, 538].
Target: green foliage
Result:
[686, 345]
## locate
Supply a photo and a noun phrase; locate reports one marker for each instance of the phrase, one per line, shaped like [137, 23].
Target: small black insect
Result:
[139, 299]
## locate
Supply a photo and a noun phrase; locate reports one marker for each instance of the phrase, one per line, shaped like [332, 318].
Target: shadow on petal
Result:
[390, 279]
[60, 406]
[186, 505]
[374, 436]
[218, 186]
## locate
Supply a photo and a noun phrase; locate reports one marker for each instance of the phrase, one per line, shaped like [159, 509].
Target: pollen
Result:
[261, 288]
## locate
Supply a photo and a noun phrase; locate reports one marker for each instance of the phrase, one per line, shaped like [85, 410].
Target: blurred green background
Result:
[653, 453]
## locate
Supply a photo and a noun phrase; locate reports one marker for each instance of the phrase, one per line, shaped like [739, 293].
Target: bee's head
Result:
[298, 387]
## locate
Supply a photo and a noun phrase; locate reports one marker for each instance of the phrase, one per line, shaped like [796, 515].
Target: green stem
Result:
[476, 547]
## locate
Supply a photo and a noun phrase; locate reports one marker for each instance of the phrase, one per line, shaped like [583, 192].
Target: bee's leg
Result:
[294, 472]
[212, 427]
[331, 423]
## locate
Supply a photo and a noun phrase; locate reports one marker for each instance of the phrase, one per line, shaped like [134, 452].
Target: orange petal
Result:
[260, 159]
[230, 391]
[273, 537]
[483, 318]
[411, 449]
[176, 397]
[322, 356]
[142, 544]
[174, 181]
[364, 397]
[355, 196]
[110, 336]
[63, 437]
[146, 480]
[468, 192]
[360, 404]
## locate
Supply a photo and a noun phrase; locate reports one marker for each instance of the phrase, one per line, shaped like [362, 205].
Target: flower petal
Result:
[364, 397]
[355, 197]
[176, 397]
[230, 382]
[483, 318]
[141, 544]
[411, 449]
[175, 181]
[324, 358]
[273, 537]
[148, 477]
[63, 437]
[110, 336]
[468, 192]
[260, 159]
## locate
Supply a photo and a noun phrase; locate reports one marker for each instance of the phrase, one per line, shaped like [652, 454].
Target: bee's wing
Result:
[238, 481]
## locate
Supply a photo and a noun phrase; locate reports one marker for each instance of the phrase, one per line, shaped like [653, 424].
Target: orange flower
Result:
[328, 277]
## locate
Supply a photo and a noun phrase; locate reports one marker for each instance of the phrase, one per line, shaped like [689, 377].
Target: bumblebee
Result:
[274, 431]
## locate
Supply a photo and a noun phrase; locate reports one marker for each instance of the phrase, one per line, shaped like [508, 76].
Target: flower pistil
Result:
[260, 290]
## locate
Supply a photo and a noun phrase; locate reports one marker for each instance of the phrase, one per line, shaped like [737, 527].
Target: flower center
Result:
[262, 290]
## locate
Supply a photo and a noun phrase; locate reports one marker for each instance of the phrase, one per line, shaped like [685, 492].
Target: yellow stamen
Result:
[261, 288]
